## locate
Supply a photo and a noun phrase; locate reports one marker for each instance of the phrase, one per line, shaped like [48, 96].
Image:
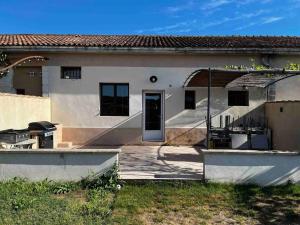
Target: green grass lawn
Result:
[196, 203]
[52, 203]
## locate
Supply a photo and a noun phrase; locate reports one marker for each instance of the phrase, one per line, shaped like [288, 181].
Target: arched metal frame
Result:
[283, 78]
[289, 73]
[6, 69]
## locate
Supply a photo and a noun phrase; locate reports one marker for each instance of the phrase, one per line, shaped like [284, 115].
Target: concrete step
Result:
[64, 145]
[152, 143]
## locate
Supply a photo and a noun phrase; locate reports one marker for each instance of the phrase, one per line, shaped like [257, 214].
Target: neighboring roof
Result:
[136, 41]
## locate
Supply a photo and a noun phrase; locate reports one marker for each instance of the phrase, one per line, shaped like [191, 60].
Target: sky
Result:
[151, 17]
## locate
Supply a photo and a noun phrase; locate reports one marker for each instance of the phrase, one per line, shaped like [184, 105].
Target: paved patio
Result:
[161, 162]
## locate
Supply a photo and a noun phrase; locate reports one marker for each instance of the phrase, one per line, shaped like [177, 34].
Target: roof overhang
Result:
[79, 49]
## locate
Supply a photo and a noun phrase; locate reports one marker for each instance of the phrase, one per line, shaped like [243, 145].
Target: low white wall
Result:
[259, 167]
[57, 165]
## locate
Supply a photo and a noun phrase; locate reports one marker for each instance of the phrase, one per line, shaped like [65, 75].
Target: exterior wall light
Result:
[153, 79]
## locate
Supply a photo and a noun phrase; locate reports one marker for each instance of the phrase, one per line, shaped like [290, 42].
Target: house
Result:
[128, 89]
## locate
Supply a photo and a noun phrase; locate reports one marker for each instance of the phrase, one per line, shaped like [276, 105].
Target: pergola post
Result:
[208, 109]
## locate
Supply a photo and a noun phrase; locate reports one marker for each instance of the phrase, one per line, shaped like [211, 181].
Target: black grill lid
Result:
[12, 131]
[42, 125]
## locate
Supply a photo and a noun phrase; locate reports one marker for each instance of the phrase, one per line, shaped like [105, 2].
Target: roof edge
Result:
[79, 49]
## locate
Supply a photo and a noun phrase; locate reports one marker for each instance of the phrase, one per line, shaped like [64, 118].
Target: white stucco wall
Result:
[288, 89]
[57, 165]
[242, 166]
[17, 111]
[75, 103]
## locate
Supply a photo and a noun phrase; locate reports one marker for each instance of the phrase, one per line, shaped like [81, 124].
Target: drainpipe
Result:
[208, 109]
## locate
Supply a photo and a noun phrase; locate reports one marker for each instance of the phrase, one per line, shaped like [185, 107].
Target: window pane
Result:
[238, 98]
[122, 99]
[114, 100]
[70, 72]
[190, 101]
[153, 111]
[107, 90]
[122, 90]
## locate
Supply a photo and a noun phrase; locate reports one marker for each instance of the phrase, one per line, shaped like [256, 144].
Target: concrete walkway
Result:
[160, 162]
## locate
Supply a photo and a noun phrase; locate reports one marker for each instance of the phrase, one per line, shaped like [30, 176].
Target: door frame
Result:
[162, 92]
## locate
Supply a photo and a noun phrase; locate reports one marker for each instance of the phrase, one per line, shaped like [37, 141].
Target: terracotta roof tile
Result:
[130, 41]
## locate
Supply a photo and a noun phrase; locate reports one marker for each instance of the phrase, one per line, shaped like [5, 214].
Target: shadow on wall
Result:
[116, 135]
[254, 118]
[177, 119]
[260, 169]
[124, 132]
[276, 175]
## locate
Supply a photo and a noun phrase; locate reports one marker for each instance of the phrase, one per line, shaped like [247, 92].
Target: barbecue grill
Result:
[14, 136]
[44, 131]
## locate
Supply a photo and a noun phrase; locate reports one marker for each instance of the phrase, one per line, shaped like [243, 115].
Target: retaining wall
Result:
[244, 166]
[57, 165]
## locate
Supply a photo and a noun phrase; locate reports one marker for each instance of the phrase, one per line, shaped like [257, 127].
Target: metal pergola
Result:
[247, 78]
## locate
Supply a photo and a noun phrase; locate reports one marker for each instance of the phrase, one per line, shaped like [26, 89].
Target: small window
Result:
[238, 98]
[114, 99]
[190, 100]
[70, 72]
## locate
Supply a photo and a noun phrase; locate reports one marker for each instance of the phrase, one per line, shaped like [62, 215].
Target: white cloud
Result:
[261, 22]
[187, 6]
[244, 14]
[239, 17]
[215, 4]
[181, 27]
[247, 26]
[188, 26]
[271, 19]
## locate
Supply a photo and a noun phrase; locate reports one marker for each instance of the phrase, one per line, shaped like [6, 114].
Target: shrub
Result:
[109, 180]
[64, 188]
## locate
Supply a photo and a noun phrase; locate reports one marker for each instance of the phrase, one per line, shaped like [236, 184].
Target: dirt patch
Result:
[79, 195]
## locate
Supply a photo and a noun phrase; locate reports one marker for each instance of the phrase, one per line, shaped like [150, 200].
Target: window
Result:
[114, 99]
[70, 72]
[190, 100]
[238, 98]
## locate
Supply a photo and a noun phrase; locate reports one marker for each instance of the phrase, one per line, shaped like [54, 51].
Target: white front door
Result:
[153, 116]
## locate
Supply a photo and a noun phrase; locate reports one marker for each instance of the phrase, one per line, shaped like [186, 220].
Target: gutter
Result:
[191, 51]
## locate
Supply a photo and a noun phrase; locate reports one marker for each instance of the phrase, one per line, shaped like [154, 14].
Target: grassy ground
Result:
[52, 203]
[147, 203]
[196, 203]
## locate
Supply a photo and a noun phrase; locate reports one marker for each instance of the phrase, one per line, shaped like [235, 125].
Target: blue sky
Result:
[177, 17]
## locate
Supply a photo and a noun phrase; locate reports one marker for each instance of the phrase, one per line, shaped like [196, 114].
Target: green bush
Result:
[64, 188]
[109, 180]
